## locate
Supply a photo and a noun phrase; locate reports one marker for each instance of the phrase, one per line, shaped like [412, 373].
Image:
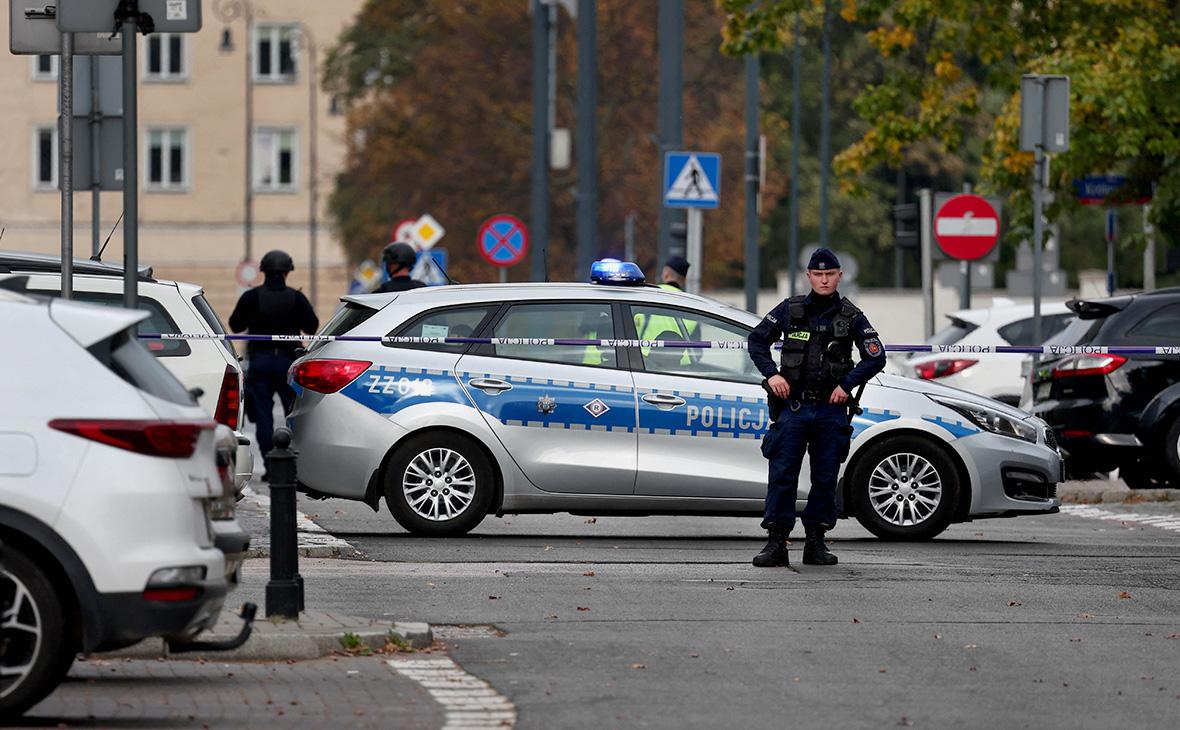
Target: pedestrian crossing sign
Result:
[692, 180]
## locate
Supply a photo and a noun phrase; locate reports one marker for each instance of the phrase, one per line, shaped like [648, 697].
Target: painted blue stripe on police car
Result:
[956, 428]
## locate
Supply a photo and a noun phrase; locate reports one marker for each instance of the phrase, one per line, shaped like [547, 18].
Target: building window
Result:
[274, 53]
[164, 57]
[45, 157]
[166, 161]
[274, 159]
[45, 67]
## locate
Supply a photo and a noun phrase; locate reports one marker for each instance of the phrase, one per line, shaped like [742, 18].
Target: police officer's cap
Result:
[399, 255]
[822, 259]
[277, 262]
[679, 264]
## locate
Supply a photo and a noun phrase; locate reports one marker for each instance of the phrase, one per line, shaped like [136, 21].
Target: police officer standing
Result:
[271, 309]
[399, 259]
[809, 399]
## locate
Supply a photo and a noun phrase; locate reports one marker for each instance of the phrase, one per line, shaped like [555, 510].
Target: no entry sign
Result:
[967, 227]
[503, 240]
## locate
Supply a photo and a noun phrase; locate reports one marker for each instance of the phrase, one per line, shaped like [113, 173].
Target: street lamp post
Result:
[228, 11]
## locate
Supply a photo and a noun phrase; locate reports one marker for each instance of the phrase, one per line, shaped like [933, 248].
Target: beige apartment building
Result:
[193, 165]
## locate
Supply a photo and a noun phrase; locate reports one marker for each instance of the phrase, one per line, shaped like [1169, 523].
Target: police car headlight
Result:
[991, 420]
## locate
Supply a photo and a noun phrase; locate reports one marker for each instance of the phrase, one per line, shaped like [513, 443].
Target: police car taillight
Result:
[229, 400]
[619, 273]
[328, 376]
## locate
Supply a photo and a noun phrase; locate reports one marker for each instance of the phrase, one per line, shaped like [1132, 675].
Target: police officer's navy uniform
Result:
[820, 332]
[271, 309]
[398, 283]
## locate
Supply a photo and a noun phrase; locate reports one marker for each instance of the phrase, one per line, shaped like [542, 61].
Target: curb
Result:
[1118, 496]
[277, 640]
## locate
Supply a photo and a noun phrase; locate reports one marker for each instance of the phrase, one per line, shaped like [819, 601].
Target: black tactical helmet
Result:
[277, 262]
[399, 255]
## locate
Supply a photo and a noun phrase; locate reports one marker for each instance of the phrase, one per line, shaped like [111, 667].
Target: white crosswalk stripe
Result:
[1164, 522]
[469, 702]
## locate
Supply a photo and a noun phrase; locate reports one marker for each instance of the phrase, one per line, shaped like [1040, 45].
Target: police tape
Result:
[670, 344]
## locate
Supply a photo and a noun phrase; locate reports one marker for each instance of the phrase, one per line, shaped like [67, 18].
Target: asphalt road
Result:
[1069, 620]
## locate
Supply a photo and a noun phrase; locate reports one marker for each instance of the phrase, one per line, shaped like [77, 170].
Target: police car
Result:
[448, 432]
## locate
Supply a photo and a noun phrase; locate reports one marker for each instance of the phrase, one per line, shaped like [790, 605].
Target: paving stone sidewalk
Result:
[336, 692]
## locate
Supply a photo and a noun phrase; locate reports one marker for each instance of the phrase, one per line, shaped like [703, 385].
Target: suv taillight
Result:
[328, 376]
[1073, 366]
[229, 401]
[168, 439]
[941, 368]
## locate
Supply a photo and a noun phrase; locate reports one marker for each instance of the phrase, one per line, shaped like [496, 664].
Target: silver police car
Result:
[450, 432]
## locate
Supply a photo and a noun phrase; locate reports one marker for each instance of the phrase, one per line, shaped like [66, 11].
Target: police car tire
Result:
[876, 453]
[466, 520]
[51, 652]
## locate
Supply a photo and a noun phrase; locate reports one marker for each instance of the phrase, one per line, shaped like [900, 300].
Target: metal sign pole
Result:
[1040, 168]
[925, 221]
[66, 134]
[695, 245]
[130, 167]
[95, 159]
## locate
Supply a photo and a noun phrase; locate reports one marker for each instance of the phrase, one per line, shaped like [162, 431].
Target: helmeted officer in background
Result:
[674, 276]
[809, 398]
[399, 259]
[271, 309]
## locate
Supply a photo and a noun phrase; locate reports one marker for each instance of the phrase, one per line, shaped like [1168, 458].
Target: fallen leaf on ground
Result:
[694, 655]
[855, 620]
[548, 548]
[589, 574]
[882, 670]
[1124, 594]
[1014, 603]
[638, 666]
[1075, 638]
[905, 722]
[583, 608]
[552, 615]
[938, 636]
[591, 520]
[1085, 615]
[493, 598]
[969, 646]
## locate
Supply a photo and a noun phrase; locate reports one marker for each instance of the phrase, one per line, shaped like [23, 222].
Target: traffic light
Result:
[905, 225]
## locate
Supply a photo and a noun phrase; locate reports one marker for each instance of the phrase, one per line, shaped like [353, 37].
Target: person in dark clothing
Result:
[809, 398]
[271, 309]
[399, 259]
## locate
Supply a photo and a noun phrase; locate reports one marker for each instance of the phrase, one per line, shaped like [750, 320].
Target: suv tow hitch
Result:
[247, 616]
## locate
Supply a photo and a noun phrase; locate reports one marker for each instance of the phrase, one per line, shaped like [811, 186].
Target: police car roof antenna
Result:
[98, 256]
[444, 271]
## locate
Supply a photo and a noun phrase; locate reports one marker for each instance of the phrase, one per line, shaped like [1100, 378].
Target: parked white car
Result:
[995, 375]
[108, 478]
[209, 367]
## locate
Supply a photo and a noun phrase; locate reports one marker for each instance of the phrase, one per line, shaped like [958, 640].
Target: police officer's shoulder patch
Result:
[874, 347]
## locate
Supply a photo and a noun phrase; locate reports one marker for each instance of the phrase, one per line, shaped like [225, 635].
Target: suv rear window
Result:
[158, 321]
[132, 362]
[210, 316]
[952, 333]
[1020, 332]
[347, 318]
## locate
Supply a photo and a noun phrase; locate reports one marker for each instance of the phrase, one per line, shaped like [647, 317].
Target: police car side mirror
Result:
[196, 393]
[300, 351]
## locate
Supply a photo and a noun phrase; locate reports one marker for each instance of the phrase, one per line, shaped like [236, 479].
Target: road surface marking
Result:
[1164, 522]
[469, 702]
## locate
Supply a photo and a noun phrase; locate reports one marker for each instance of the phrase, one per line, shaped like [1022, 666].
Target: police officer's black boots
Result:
[815, 550]
[774, 555]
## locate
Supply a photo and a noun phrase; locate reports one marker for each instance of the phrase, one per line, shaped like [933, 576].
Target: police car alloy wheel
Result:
[33, 655]
[439, 484]
[904, 488]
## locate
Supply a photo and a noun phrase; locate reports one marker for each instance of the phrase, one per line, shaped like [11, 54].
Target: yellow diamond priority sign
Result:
[426, 232]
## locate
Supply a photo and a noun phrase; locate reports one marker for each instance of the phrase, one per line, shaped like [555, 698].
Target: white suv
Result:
[995, 375]
[108, 475]
[208, 366]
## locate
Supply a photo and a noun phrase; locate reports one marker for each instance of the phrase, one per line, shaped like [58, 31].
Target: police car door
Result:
[702, 412]
[565, 413]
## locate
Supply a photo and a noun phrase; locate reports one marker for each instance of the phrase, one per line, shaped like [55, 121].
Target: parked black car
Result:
[1116, 411]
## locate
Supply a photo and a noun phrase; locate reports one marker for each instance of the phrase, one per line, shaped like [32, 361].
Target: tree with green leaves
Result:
[949, 87]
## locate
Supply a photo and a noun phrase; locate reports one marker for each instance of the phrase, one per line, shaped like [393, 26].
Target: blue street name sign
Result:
[692, 180]
[1110, 189]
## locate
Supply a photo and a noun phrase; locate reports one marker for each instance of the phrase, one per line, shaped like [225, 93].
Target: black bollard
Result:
[284, 590]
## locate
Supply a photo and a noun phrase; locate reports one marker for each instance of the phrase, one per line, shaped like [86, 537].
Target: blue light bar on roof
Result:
[613, 271]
